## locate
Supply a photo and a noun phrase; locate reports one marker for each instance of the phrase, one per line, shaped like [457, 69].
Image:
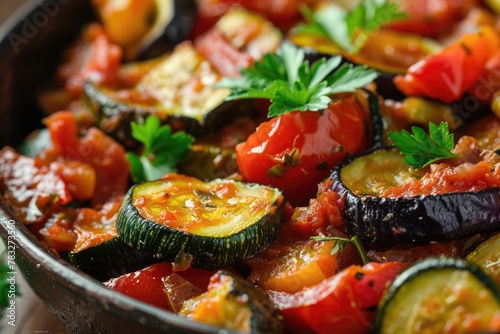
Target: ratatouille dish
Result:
[296, 166]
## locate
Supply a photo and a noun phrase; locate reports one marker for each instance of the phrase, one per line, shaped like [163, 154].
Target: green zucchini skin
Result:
[204, 252]
[419, 219]
[110, 259]
[414, 272]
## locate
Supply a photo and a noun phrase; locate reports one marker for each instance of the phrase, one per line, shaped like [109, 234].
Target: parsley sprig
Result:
[421, 149]
[288, 80]
[350, 29]
[340, 244]
[162, 149]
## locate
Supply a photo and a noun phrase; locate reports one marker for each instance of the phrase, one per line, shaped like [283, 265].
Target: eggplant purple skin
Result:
[420, 219]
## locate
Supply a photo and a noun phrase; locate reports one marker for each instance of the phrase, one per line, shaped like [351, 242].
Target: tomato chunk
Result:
[30, 186]
[296, 151]
[447, 75]
[431, 17]
[147, 284]
[341, 302]
[104, 154]
[93, 58]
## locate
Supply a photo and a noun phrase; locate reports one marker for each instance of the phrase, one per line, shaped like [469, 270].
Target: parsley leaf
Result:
[422, 149]
[350, 29]
[288, 80]
[162, 149]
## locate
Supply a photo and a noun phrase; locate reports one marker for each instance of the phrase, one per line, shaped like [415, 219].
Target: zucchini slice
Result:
[205, 225]
[234, 303]
[439, 295]
[110, 259]
[421, 219]
[487, 256]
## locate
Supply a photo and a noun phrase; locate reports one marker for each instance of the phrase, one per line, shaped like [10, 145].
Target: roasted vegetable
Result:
[178, 90]
[203, 225]
[209, 162]
[235, 304]
[109, 259]
[149, 284]
[439, 294]
[147, 28]
[362, 179]
[342, 303]
[403, 52]
[487, 256]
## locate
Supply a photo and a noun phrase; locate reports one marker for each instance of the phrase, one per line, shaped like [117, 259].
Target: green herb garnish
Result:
[162, 149]
[290, 83]
[340, 244]
[350, 29]
[421, 149]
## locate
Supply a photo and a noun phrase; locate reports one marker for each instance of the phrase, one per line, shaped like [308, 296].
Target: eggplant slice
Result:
[419, 219]
[168, 92]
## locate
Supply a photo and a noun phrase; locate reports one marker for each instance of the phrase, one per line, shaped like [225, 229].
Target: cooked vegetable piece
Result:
[93, 147]
[147, 284]
[178, 90]
[388, 51]
[343, 302]
[373, 214]
[235, 304]
[30, 187]
[108, 259]
[487, 256]
[178, 290]
[448, 74]
[89, 241]
[283, 13]
[294, 266]
[431, 17]
[302, 147]
[421, 111]
[92, 58]
[209, 162]
[198, 224]
[147, 28]
[437, 294]
[238, 39]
